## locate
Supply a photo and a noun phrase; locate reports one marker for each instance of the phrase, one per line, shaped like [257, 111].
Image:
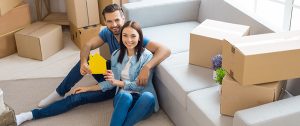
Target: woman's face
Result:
[130, 38]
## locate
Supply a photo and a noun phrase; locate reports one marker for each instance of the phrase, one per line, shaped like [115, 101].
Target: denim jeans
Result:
[130, 108]
[74, 100]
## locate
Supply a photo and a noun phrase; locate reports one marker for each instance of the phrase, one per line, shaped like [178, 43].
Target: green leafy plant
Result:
[220, 72]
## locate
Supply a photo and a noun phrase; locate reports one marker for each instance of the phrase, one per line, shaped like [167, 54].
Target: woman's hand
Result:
[109, 76]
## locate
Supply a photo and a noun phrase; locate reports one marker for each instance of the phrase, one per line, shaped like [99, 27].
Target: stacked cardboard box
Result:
[82, 35]
[12, 21]
[206, 40]
[39, 40]
[254, 63]
[7, 5]
[235, 96]
[263, 58]
[83, 13]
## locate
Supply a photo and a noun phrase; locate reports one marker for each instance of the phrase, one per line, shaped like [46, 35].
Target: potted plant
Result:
[219, 72]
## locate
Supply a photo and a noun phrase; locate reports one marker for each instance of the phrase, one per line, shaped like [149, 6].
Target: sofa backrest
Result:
[160, 12]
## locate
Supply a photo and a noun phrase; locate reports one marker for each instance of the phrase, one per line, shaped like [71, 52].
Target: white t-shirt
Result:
[125, 74]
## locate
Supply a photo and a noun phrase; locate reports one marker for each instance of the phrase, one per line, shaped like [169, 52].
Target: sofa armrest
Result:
[154, 13]
[285, 112]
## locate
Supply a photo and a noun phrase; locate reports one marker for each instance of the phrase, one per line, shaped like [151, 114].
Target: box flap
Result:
[15, 19]
[220, 30]
[260, 44]
[32, 28]
[7, 5]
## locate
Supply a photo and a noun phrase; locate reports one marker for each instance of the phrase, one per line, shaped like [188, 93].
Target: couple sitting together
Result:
[128, 79]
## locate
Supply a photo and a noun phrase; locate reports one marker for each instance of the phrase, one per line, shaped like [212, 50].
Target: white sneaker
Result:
[53, 97]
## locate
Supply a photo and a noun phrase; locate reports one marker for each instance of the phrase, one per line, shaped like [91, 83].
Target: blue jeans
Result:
[130, 108]
[74, 100]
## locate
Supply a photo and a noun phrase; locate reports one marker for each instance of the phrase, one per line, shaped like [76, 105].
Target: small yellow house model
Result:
[97, 64]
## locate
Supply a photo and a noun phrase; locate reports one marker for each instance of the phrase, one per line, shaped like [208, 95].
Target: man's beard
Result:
[116, 33]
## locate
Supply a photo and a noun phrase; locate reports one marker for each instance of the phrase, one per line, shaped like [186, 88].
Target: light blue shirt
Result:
[134, 70]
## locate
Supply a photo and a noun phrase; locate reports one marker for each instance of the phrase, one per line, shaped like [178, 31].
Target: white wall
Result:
[222, 11]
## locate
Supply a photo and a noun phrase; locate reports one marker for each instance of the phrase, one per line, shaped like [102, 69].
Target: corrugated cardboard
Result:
[8, 44]
[236, 97]
[82, 35]
[82, 13]
[103, 4]
[39, 41]
[263, 58]
[7, 5]
[17, 18]
[206, 40]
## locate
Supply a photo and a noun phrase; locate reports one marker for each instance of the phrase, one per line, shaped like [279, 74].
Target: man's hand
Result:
[80, 90]
[143, 76]
[84, 69]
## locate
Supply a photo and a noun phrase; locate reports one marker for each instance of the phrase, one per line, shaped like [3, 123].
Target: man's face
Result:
[114, 21]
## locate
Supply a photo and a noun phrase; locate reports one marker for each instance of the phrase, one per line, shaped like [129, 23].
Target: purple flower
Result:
[217, 62]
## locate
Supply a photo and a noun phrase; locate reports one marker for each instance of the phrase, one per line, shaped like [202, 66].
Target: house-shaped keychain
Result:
[97, 64]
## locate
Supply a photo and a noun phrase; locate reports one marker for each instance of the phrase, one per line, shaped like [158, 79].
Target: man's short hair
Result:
[112, 8]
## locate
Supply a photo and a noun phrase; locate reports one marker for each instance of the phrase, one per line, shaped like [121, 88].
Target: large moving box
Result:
[7, 5]
[8, 44]
[39, 41]
[263, 58]
[236, 97]
[82, 13]
[206, 40]
[81, 35]
[15, 19]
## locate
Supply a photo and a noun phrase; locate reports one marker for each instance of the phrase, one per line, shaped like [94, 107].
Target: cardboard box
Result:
[206, 40]
[236, 97]
[7, 5]
[8, 44]
[81, 35]
[17, 18]
[82, 13]
[39, 41]
[103, 4]
[263, 58]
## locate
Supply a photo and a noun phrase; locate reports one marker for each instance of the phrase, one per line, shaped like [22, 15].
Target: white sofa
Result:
[186, 92]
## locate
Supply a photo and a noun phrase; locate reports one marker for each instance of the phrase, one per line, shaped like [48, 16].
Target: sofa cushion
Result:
[182, 78]
[204, 106]
[151, 13]
[174, 36]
